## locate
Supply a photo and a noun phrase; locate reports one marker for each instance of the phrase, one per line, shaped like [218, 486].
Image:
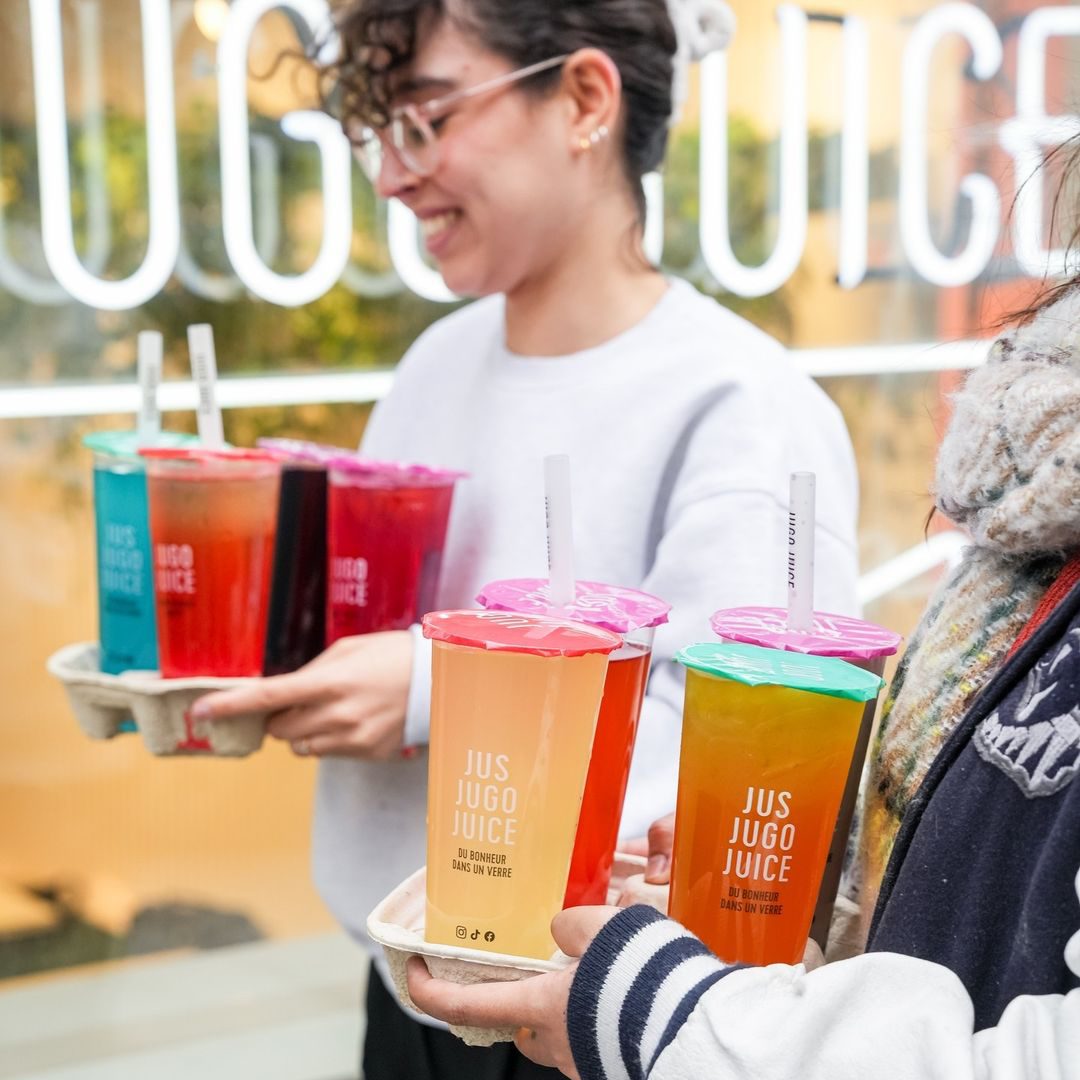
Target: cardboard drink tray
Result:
[159, 707]
[397, 924]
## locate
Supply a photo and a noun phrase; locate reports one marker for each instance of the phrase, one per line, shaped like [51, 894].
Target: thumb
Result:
[575, 928]
[661, 841]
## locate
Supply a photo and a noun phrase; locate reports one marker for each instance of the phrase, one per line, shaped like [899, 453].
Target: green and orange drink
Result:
[767, 744]
[634, 615]
[514, 702]
[864, 644]
[212, 520]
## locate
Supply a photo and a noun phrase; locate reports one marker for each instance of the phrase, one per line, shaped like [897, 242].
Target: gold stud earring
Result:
[584, 143]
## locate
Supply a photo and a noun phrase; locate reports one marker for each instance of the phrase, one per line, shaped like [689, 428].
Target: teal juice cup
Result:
[127, 626]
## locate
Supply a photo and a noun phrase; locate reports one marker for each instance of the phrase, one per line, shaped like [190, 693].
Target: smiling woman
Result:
[519, 135]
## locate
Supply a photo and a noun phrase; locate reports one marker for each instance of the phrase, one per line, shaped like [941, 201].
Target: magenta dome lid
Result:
[509, 631]
[363, 471]
[297, 450]
[611, 607]
[832, 635]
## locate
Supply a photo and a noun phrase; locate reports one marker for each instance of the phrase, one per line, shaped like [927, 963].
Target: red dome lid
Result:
[510, 631]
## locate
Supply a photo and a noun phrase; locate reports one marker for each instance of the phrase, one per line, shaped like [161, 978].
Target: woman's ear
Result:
[593, 87]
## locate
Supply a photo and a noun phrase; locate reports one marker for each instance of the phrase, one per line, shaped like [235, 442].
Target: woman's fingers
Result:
[535, 1006]
[661, 841]
[272, 694]
[483, 1005]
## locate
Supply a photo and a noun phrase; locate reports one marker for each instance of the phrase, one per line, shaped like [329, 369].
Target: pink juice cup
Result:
[386, 529]
[634, 615]
[861, 643]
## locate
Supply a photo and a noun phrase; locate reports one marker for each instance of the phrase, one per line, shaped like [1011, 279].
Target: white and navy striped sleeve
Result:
[649, 1002]
[635, 987]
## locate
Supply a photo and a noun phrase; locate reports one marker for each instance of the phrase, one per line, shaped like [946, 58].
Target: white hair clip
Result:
[701, 27]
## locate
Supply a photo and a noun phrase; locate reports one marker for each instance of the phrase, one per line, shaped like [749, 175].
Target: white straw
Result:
[148, 425]
[800, 566]
[560, 529]
[204, 372]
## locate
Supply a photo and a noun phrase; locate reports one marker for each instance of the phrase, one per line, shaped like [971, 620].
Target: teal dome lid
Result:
[753, 665]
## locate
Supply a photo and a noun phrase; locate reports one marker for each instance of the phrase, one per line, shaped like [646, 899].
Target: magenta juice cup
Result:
[386, 529]
[861, 643]
[634, 615]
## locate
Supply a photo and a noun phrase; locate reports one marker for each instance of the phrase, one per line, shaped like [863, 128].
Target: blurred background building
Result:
[847, 178]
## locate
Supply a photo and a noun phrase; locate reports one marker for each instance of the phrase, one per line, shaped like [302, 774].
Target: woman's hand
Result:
[657, 848]
[348, 702]
[536, 1006]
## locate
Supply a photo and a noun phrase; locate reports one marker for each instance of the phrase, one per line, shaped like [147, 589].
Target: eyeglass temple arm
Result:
[498, 82]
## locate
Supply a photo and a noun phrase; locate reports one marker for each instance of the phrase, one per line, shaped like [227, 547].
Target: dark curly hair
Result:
[379, 38]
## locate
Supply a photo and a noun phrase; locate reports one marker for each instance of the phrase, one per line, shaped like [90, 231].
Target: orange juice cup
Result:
[767, 744]
[212, 519]
[634, 615]
[514, 701]
[864, 644]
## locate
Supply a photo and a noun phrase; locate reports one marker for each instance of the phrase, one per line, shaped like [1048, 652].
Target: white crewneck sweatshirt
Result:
[682, 434]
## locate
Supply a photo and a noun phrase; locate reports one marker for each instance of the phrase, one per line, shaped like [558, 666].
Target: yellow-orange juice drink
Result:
[514, 701]
[766, 748]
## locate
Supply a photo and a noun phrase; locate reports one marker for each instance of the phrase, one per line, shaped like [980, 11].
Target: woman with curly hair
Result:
[519, 132]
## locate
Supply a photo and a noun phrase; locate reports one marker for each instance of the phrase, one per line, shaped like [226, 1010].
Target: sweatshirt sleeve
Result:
[418, 707]
[648, 1003]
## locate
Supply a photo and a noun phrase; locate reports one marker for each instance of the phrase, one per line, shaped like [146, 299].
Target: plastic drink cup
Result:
[126, 620]
[634, 615]
[514, 701]
[296, 623]
[766, 748]
[386, 531]
[212, 518]
[861, 643]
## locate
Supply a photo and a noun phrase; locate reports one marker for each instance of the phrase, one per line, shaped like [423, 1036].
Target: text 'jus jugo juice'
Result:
[766, 747]
[514, 701]
[212, 519]
[634, 615]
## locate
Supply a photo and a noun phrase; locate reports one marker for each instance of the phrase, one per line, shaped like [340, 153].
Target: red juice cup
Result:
[386, 528]
[635, 615]
[864, 644]
[212, 519]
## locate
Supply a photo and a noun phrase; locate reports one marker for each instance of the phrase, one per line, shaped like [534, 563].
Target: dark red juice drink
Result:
[212, 520]
[635, 615]
[296, 623]
[386, 528]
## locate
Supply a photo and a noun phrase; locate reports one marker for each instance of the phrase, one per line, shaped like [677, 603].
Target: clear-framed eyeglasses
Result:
[412, 133]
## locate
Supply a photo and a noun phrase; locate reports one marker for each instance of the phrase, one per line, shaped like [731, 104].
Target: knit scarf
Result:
[1008, 473]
